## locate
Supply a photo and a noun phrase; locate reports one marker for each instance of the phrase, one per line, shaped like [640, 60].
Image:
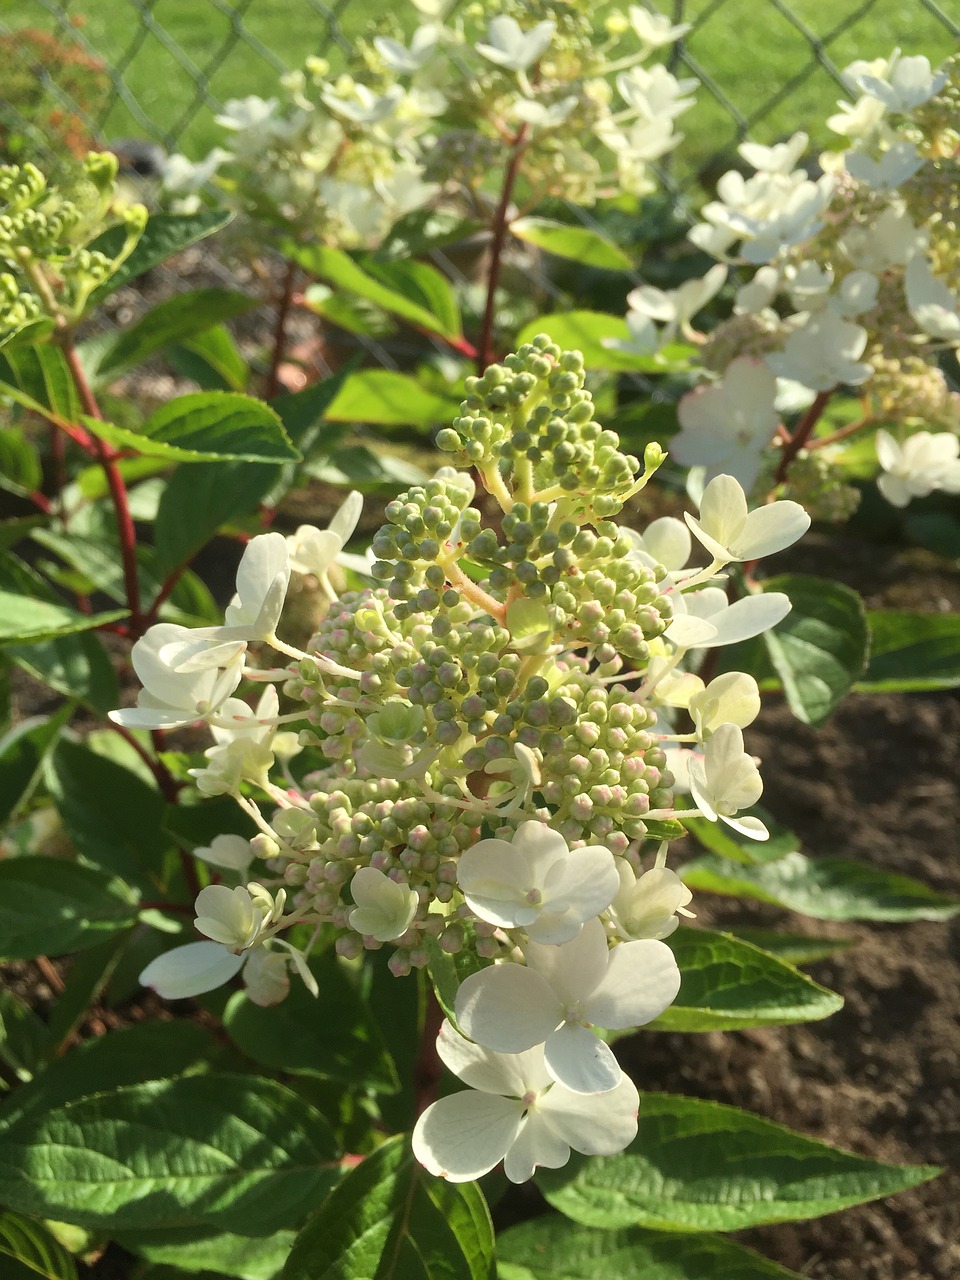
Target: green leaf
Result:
[385, 398]
[24, 620]
[447, 972]
[794, 948]
[360, 467]
[550, 1249]
[296, 1035]
[729, 984]
[164, 235]
[20, 470]
[582, 245]
[585, 331]
[390, 1220]
[823, 888]
[33, 1250]
[230, 1151]
[213, 360]
[24, 1037]
[205, 426]
[22, 754]
[173, 320]
[130, 1055]
[820, 648]
[49, 906]
[719, 838]
[88, 976]
[911, 652]
[423, 230]
[245, 1257]
[423, 284]
[356, 315]
[702, 1166]
[113, 816]
[201, 498]
[337, 268]
[39, 379]
[76, 666]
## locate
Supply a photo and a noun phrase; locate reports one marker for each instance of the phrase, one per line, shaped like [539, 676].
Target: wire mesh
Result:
[764, 66]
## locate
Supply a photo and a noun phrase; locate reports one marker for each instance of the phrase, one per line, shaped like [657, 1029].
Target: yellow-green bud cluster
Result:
[529, 422]
[45, 233]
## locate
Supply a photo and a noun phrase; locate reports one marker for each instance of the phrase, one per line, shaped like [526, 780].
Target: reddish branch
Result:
[802, 434]
[485, 351]
[284, 301]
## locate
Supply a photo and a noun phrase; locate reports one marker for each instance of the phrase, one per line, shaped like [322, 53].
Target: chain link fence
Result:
[165, 67]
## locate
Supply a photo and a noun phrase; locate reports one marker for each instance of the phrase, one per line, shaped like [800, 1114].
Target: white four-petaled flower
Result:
[515, 1112]
[536, 883]
[564, 991]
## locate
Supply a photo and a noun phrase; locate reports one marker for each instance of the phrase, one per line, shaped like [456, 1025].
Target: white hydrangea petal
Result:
[583, 883]
[234, 853]
[642, 980]
[508, 1008]
[226, 915]
[573, 971]
[347, 516]
[464, 1136]
[747, 618]
[753, 828]
[266, 977]
[668, 541]
[577, 1059]
[536, 1144]
[191, 970]
[593, 1124]
[771, 528]
[510, 1074]
[385, 909]
[540, 845]
[262, 579]
[494, 882]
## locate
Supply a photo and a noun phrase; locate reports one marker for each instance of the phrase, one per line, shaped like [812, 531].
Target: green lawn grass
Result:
[760, 63]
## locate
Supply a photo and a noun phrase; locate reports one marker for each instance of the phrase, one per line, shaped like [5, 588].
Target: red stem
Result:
[126, 532]
[485, 352]
[802, 434]
[850, 429]
[279, 330]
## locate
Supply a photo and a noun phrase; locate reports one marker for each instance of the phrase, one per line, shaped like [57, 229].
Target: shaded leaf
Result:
[246, 1257]
[164, 235]
[49, 906]
[175, 319]
[911, 652]
[550, 1249]
[24, 620]
[30, 1244]
[213, 360]
[296, 1035]
[820, 648]
[390, 1220]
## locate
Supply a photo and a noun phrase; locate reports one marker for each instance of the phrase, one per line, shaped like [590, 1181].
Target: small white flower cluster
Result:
[856, 284]
[342, 158]
[489, 780]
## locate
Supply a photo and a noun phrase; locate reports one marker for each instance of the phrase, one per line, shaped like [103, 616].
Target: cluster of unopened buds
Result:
[423, 123]
[47, 269]
[492, 731]
[856, 284]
